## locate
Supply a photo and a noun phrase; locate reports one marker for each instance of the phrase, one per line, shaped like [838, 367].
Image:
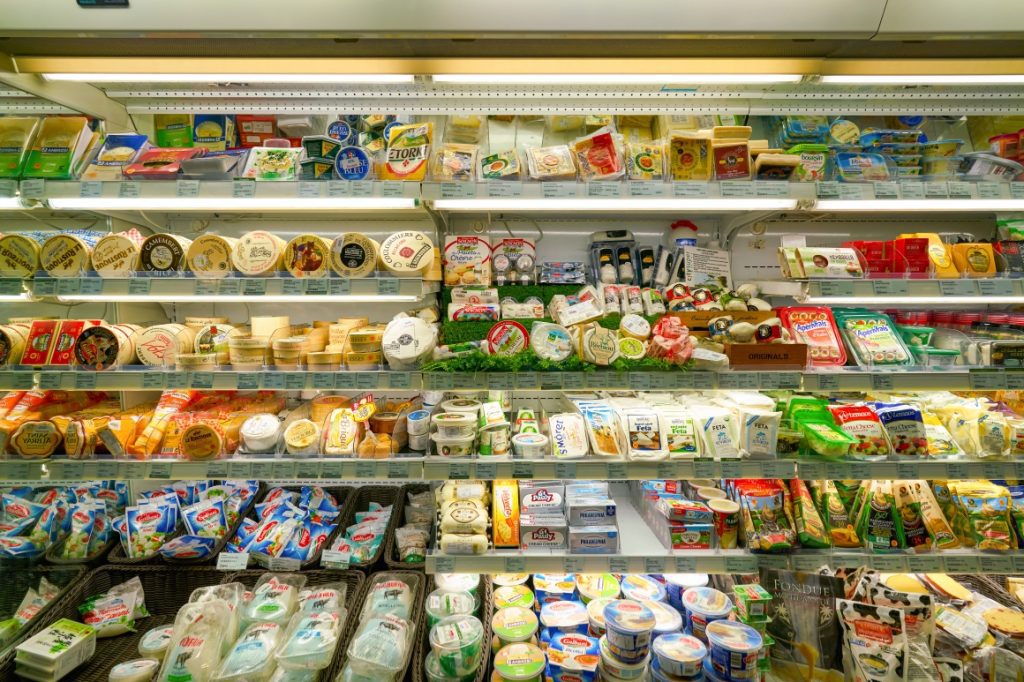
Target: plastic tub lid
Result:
[595, 610]
[707, 601]
[514, 624]
[563, 614]
[519, 661]
[666, 619]
[686, 580]
[627, 615]
[513, 595]
[732, 635]
[456, 632]
[502, 579]
[642, 587]
[679, 647]
[597, 585]
[441, 603]
[454, 419]
[458, 582]
[607, 655]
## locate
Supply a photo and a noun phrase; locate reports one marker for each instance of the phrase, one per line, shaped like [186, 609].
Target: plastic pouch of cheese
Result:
[274, 599]
[310, 640]
[252, 655]
[759, 431]
[993, 435]
[199, 641]
[876, 639]
[681, 437]
[719, 431]
[604, 429]
[941, 443]
[388, 595]
[645, 434]
[114, 612]
[380, 647]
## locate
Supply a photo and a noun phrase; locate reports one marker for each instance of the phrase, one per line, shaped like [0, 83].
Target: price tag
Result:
[217, 469]
[160, 470]
[398, 470]
[295, 381]
[552, 190]
[936, 190]
[339, 188]
[285, 564]
[992, 563]
[828, 382]
[527, 380]
[741, 564]
[71, 471]
[466, 380]
[852, 191]
[779, 380]
[890, 287]
[808, 562]
[1018, 470]
[890, 563]
[731, 469]
[501, 381]
[207, 287]
[618, 471]
[8, 188]
[231, 286]
[254, 287]
[263, 471]
[738, 380]
[347, 381]
[339, 287]
[239, 469]
[690, 190]
[438, 382]
[106, 469]
[959, 190]
[907, 471]
[997, 287]
[672, 470]
[736, 189]
[458, 471]
[309, 190]
[249, 381]
[273, 381]
[444, 564]
[486, 471]
[85, 381]
[19, 471]
[1018, 564]
[504, 189]
[49, 381]
[202, 379]
[187, 189]
[958, 287]
[574, 564]
[773, 561]
[331, 470]
[958, 471]
[293, 287]
[22, 381]
[134, 471]
[129, 190]
[33, 188]
[458, 190]
[90, 189]
[367, 380]
[284, 470]
[836, 288]
[604, 189]
[323, 380]
[990, 190]
[11, 287]
[336, 559]
[318, 287]
[987, 379]
[573, 381]
[827, 190]
[1015, 380]
[771, 188]
[655, 564]
[243, 188]
[307, 469]
[366, 469]
[387, 286]
[911, 189]
[811, 471]
[848, 560]
[232, 561]
[703, 468]
[515, 564]
[961, 563]
[618, 564]
[44, 286]
[139, 286]
[647, 189]
[522, 470]
[881, 382]
[886, 190]
[68, 286]
[565, 470]
[686, 564]
[364, 188]
[639, 381]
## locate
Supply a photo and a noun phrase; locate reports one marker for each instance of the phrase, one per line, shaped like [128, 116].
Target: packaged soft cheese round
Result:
[408, 342]
[407, 254]
[354, 255]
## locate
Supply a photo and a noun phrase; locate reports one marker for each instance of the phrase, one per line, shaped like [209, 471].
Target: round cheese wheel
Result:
[116, 255]
[35, 439]
[407, 254]
[407, 340]
[12, 342]
[309, 256]
[200, 442]
[209, 256]
[213, 338]
[302, 437]
[19, 256]
[507, 338]
[65, 255]
[635, 327]
[103, 347]
[354, 255]
[258, 253]
[163, 253]
[159, 345]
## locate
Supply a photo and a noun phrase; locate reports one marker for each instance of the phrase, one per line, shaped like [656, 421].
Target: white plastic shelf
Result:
[914, 292]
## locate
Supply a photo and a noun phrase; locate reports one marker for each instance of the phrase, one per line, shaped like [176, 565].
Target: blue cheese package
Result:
[352, 163]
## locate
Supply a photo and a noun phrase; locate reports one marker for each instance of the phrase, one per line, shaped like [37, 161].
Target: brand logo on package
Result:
[102, 3]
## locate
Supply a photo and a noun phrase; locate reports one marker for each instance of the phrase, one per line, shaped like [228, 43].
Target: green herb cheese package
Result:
[879, 522]
[834, 515]
[810, 529]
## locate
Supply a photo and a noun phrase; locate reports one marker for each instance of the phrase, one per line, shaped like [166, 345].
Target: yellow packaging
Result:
[938, 253]
[690, 156]
[974, 260]
[408, 152]
[505, 513]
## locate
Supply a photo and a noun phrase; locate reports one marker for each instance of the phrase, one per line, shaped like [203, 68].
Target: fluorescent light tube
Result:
[920, 205]
[912, 300]
[13, 298]
[340, 78]
[228, 203]
[11, 203]
[193, 298]
[636, 204]
[927, 79]
[616, 78]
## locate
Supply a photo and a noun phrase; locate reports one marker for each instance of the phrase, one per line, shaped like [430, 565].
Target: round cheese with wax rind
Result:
[354, 255]
[407, 254]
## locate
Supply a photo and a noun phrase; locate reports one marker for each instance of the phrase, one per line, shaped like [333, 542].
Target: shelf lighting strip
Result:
[616, 78]
[298, 78]
[228, 203]
[844, 205]
[216, 298]
[644, 204]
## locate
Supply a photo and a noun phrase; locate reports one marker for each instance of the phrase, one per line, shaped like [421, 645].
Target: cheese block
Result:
[159, 345]
[209, 256]
[66, 255]
[943, 584]
[163, 254]
[117, 255]
[35, 439]
[407, 254]
[354, 255]
[200, 442]
[258, 254]
[308, 256]
[19, 255]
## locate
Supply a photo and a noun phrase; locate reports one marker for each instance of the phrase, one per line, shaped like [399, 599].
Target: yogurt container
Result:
[513, 625]
[573, 658]
[441, 604]
[564, 616]
[595, 614]
[679, 655]
[530, 445]
[704, 605]
[433, 672]
[513, 595]
[457, 641]
[454, 424]
[612, 665]
[552, 587]
[461, 446]
[629, 626]
[733, 649]
[459, 582]
[677, 583]
[641, 587]
[666, 619]
[502, 579]
[597, 586]
[520, 662]
[418, 422]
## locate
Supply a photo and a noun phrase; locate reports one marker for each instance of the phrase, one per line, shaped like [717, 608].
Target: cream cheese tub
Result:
[596, 586]
[513, 595]
[617, 668]
[595, 615]
[629, 627]
[679, 655]
[640, 587]
[733, 649]
[704, 605]
[666, 618]
[512, 625]
[520, 662]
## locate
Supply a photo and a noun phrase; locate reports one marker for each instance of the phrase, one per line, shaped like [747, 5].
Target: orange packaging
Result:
[52, 342]
[505, 513]
[8, 401]
[148, 442]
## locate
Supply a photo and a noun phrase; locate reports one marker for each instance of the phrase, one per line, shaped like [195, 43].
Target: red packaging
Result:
[42, 337]
[912, 255]
[161, 163]
[64, 349]
[255, 129]
[732, 161]
[815, 326]
[861, 422]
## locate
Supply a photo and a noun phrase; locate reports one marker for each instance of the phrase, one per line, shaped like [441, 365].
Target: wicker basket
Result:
[246, 508]
[419, 655]
[418, 583]
[166, 590]
[344, 497]
[391, 549]
[382, 494]
[17, 581]
[53, 554]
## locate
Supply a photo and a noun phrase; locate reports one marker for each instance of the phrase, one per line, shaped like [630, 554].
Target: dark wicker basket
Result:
[419, 655]
[391, 549]
[95, 559]
[166, 590]
[382, 494]
[17, 581]
[418, 583]
[344, 497]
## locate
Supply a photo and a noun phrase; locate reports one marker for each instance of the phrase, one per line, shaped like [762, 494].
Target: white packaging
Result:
[592, 511]
[594, 540]
[542, 531]
[568, 434]
[541, 497]
[644, 434]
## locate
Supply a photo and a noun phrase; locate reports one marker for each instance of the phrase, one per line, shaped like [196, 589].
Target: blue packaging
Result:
[733, 650]
[573, 658]
[640, 587]
[552, 587]
[340, 131]
[352, 163]
[629, 629]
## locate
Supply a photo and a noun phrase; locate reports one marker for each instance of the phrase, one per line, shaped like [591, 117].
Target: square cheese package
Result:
[408, 148]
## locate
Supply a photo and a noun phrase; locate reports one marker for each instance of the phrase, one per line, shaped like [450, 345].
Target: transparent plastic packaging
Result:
[251, 659]
[274, 599]
[197, 644]
[381, 647]
[311, 639]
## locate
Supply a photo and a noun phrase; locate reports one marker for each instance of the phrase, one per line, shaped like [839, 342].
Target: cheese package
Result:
[273, 163]
[505, 513]
[209, 256]
[68, 254]
[408, 147]
[117, 255]
[19, 253]
[467, 260]
[216, 132]
[258, 253]
[501, 166]
[52, 342]
[308, 256]
[974, 260]
[454, 162]
[815, 326]
[407, 253]
[354, 255]
[117, 151]
[731, 159]
[59, 148]
[689, 156]
[155, 164]
[16, 133]
[163, 254]
[551, 163]
[599, 156]
[808, 262]
[645, 160]
[173, 130]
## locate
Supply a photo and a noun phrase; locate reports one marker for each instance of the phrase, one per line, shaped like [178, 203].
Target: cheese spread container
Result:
[629, 626]
[563, 616]
[302, 437]
[200, 442]
[596, 586]
[513, 595]
[513, 624]
[704, 605]
[459, 582]
[529, 445]
[158, 346]
[19, 254]
[467, 260]
[117, 255]
[502, 579]
[163, 254]
[666, 618]
[679, 655]
[677, 583]
[260, 433]
[640, 587]
[209, 256]
[407, 254]
[308, 256]
[463, 405]
[612, 665]
[519, 662]
[354, 255]
[733, 649]
[213, 338]
[258, 254]
[455, 424]
[68, 255]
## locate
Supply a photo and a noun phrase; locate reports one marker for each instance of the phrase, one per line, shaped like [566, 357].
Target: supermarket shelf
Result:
[915, 292]
[185, 289]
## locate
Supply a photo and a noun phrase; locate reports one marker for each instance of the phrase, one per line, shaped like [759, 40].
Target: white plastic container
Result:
[530, 445]
[618, 669]
[463, 405]
[455, 424]
[462, 446]
[418, 422]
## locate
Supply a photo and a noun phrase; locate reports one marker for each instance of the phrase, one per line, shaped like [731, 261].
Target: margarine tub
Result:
[520, 662]
[641, 587]
[679, 655]
[595, 615]
[441, 604]
[596, 586]
[502, 579]
[666, 618]
[629, 627]
[513, 624]
[513, 595]
[552, 587]
[612, 665]
[704, 605]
